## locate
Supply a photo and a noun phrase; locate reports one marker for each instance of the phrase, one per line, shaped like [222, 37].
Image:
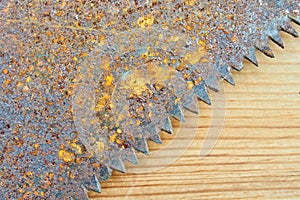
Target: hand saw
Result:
[85, 84]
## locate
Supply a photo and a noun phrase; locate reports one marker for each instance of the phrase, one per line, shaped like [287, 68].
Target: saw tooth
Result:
[141, 145]
[229, 78]
[212, 82]
[118, 165]
[84, 195]
[156, 138]
[201, 92]
[167, 125]
[289, 29]
[190, 104]
[154, 135]
[237, 66]
[105, 173]
[224, 70]
[267, 51]
[131, 156]
[177, 113]
[295, 20]
[275, 37]
[252, 57]
[93, 185]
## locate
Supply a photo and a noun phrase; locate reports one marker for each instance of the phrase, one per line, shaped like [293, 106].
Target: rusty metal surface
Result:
[86, 83]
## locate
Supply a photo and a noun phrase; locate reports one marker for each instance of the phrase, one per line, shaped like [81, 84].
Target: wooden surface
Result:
[258, 152]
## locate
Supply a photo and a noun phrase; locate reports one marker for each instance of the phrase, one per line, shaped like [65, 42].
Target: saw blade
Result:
[84, 84]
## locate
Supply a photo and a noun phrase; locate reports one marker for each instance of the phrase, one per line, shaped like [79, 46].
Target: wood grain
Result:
[257, 155]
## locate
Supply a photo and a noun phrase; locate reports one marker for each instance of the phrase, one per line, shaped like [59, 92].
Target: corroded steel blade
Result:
[84, 84]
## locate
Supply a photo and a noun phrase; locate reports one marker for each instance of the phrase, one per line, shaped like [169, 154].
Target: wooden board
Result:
[258, 152]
